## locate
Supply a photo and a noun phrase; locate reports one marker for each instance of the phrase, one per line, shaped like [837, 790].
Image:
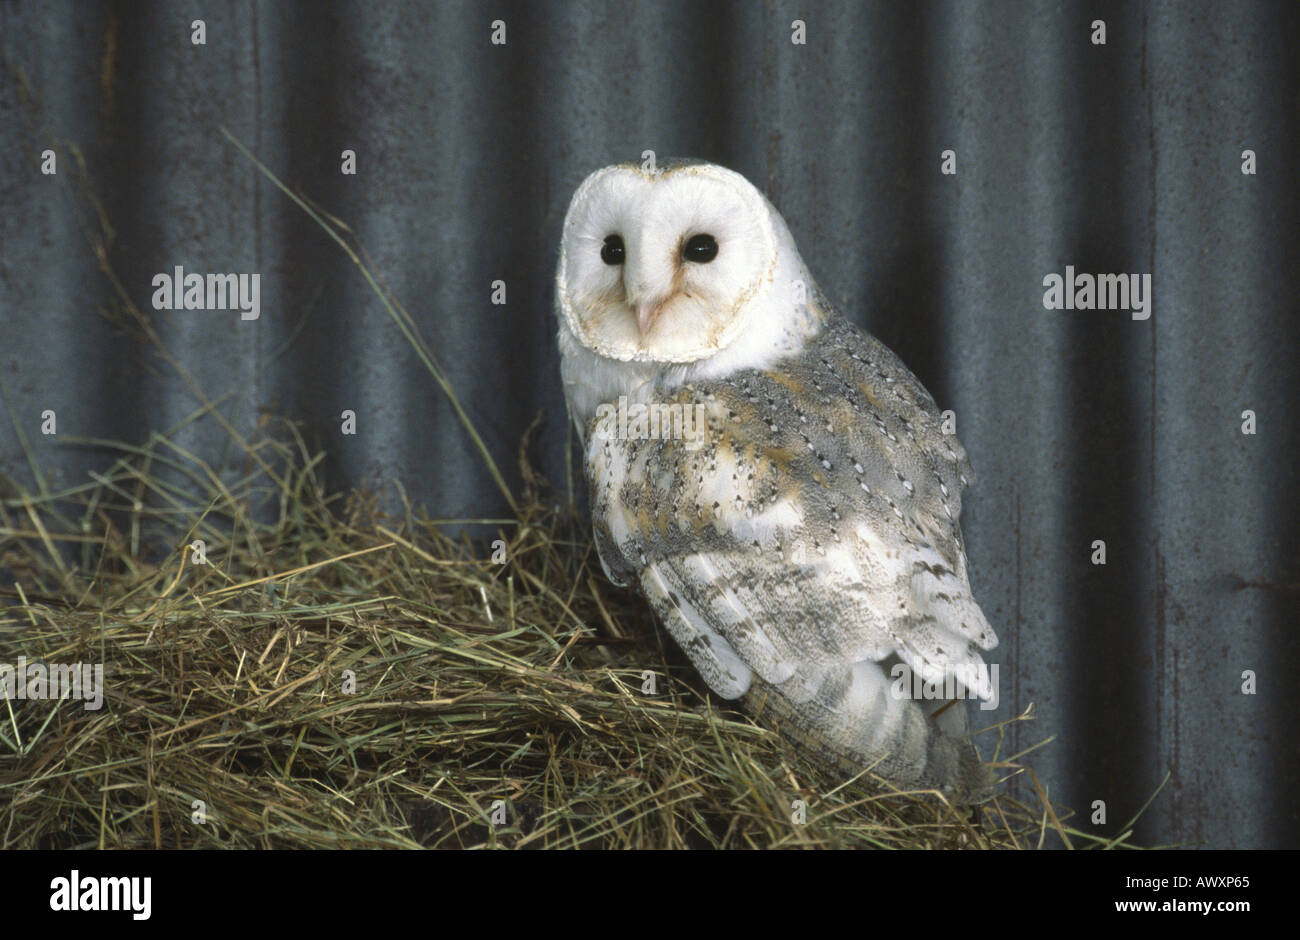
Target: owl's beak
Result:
[646, 314]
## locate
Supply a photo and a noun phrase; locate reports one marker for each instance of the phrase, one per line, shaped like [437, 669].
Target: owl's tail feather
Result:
[849, 720]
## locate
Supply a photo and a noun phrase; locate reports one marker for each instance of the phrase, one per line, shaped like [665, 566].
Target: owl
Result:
[773, 481]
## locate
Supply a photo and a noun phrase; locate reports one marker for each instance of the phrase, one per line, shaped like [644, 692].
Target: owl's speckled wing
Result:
[806, 539]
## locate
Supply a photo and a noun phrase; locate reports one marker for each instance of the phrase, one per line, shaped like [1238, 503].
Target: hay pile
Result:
[518, 679]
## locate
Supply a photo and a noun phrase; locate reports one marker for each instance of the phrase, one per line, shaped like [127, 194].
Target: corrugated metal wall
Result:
[1082, 425]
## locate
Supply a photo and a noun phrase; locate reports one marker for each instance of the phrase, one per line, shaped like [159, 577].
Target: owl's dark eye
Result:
[701, 249]
[612, 251]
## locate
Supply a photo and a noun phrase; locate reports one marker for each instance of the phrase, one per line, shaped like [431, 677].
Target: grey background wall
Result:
[1083, 425]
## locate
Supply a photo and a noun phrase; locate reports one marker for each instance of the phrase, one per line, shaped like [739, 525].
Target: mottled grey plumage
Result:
[836, 548]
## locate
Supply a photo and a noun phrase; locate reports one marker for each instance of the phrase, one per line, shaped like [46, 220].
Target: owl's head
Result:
[676, 266]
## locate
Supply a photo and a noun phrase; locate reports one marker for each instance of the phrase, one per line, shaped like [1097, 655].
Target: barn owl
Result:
[783, 494]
